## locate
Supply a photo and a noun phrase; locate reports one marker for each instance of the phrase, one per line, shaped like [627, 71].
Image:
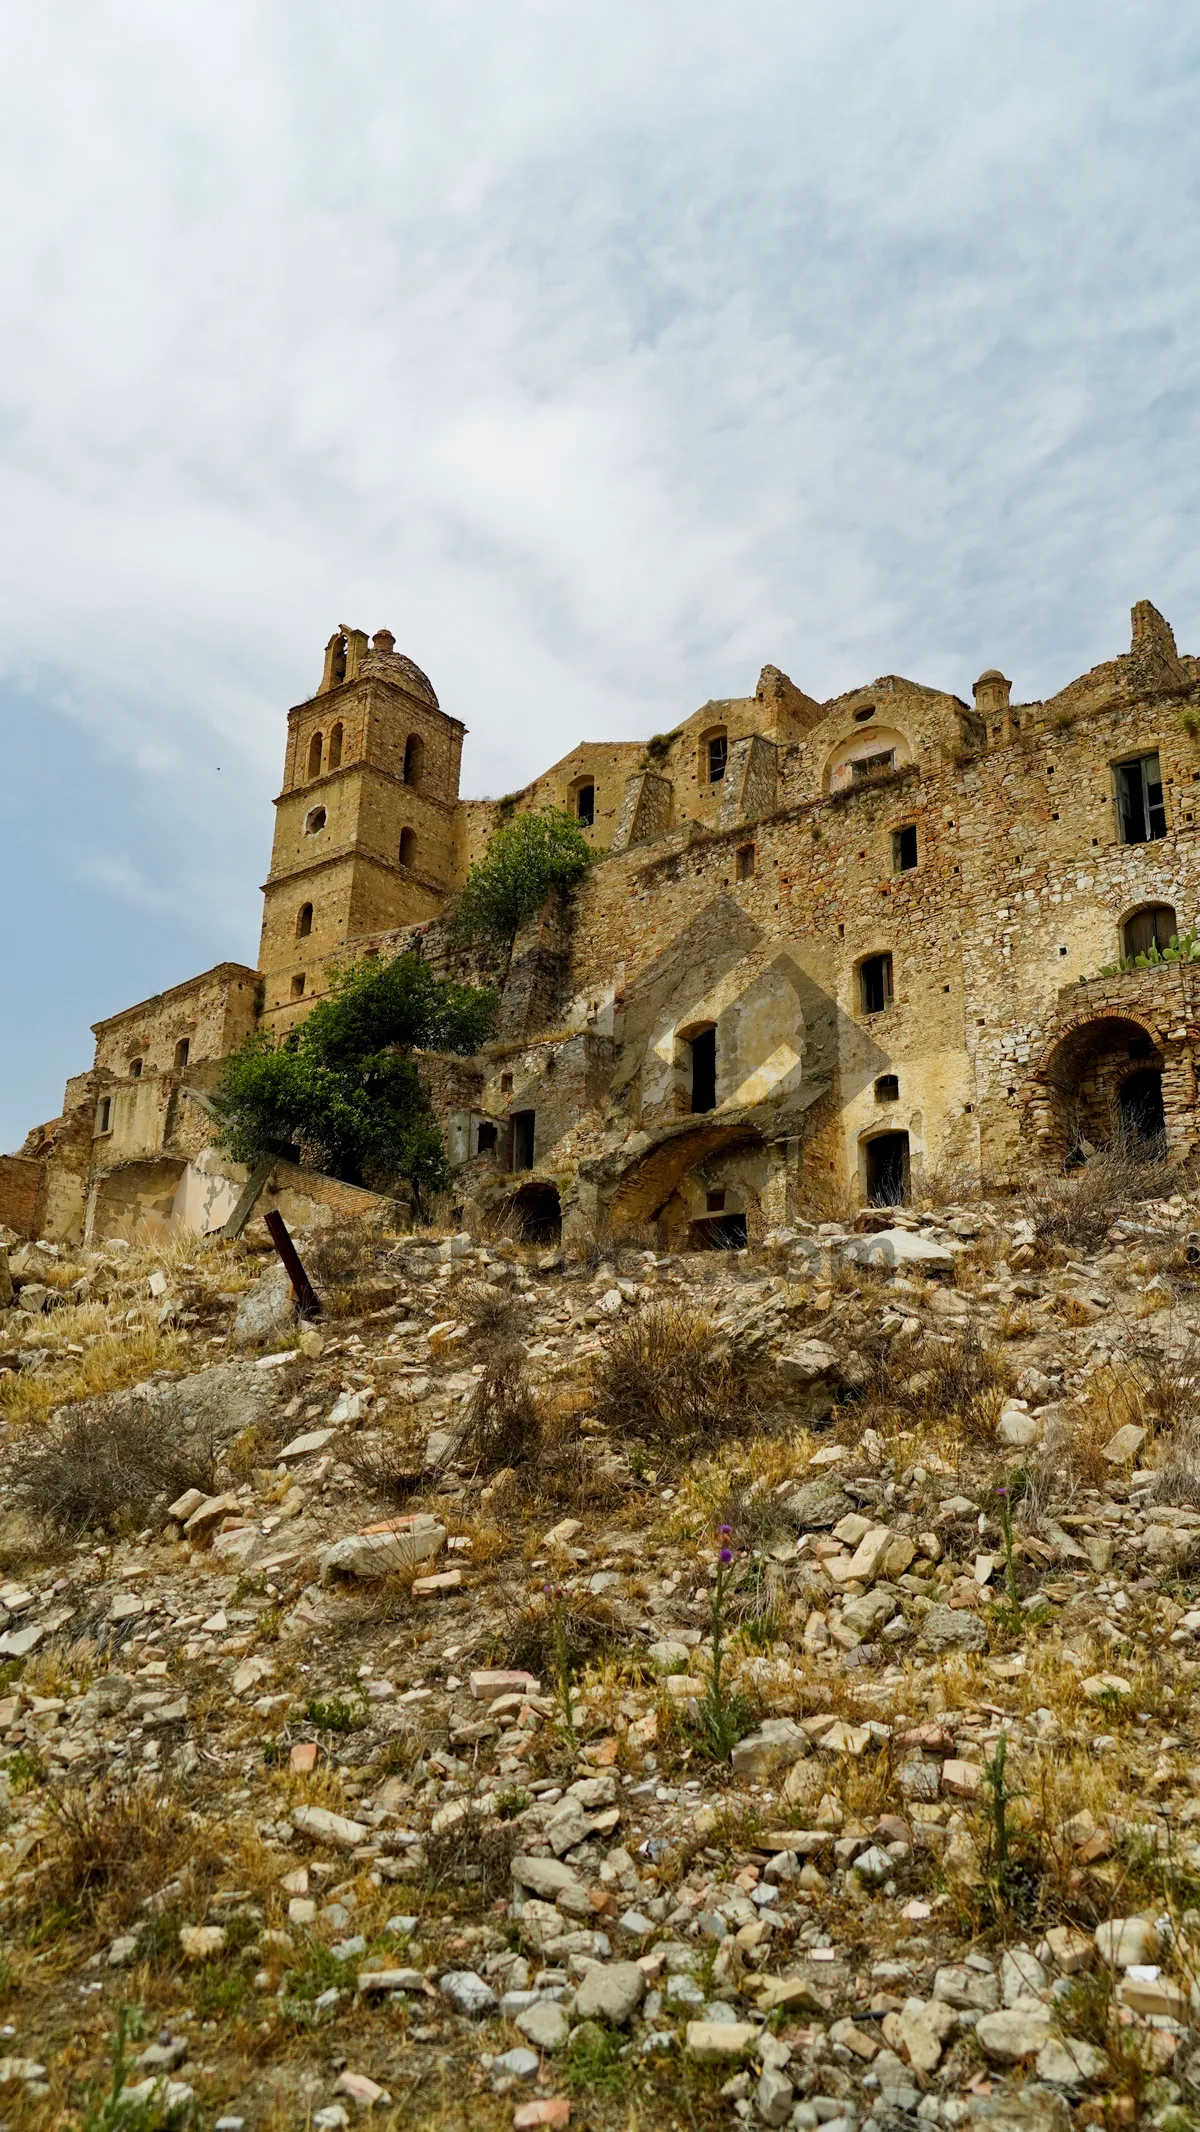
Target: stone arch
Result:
[1080, 1078]
[336, 735]
[315, 747]
[866, 752]
[647, 1185]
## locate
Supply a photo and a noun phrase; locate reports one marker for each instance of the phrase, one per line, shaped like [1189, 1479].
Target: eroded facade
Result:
[822, 945]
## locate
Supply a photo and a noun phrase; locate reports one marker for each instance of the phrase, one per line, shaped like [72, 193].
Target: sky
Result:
[603, 353]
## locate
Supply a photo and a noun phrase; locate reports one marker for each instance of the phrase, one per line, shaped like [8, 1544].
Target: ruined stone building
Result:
[836, 943]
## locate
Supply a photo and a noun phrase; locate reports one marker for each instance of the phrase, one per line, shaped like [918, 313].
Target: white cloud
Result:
[603, 353]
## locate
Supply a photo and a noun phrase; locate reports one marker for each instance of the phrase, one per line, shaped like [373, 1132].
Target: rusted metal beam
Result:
[308, 1303]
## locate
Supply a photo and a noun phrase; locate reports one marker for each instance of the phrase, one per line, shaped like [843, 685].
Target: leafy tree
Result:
[342, 1086]
[524, 860]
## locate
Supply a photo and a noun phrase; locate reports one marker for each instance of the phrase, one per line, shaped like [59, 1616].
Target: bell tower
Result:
[364, 824]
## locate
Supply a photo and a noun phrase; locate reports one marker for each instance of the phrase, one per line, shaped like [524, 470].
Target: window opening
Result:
[1154, 927]
[298, 985]
[873, 765]
[522, 1139]
[485, 1140]
[715, 1202]
[718, 756]
[704, 1070]
[183, 1051]
[887, 1169]
[314, 821]
[414, 758]
[335, 747]
[135, 1069]
[875, 983]
[339, 663]
[304, 921]
[314, 755]
[585, 804]
[104, 1115]
[887, 1088]
[904, 848]
[745, 862]
[408, 847]
[867, 711]
[1140, 808]
[506, 1084]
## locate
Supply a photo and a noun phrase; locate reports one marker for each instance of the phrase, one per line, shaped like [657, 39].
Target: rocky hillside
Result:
[751, 1688]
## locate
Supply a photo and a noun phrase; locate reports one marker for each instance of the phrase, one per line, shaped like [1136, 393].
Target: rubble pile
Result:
[844, 1771]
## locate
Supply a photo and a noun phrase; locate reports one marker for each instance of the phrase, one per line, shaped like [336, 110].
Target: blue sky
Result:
[603, 353]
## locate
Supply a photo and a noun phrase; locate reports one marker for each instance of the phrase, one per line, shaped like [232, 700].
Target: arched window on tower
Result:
[314, 755]
[304, 921]
[1149, 930]
[408, 847]
[335, 747]
[414, 759]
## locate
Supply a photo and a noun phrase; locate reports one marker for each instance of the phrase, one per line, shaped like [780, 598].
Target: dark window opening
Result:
[874, 765]
[585, 804]
[298, 985]
[304, 921]
[104, 1115]
[718, 756]
[729, 1234]
[1143, 1120]
[1154, 927]
[408, 847]
[904, 848]
[414, 759]
[522, 1139]
[314, 821]
[887, 1088]
[715, 1202]
[704, 1070]
[485, 1140]
[1140, 808]
[135, 1069]
[867, 711]
[875, 983]
[506, 1084]
[338, 671]
[182, 1053]
[887, 1170]
[314, 755]
[335, 747]
[745, 861]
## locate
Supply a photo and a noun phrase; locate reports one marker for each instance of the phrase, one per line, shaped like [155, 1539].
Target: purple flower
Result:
[1002, 1491]
[726, 1555]
[546, 1590]
[726, 1530]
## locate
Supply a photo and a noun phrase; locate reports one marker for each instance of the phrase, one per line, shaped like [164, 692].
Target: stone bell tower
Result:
[364, 825]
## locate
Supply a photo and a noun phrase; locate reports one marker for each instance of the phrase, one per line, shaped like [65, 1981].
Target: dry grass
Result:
[114, 1361]
[582, 1624]
[495, 1316]
[962, 1382]
[1076, 1210]
[503, 1423]
[668, 1379]
[105, 1462]
[389, 1465]
[112, 1848]
[475, 1850]
[341, 1262]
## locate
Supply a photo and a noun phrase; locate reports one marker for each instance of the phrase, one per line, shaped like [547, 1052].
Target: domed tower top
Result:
[349, 657]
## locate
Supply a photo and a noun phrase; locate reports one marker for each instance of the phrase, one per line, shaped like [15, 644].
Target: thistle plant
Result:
[724, 1716]
[1012, 1597]
[560, 1653]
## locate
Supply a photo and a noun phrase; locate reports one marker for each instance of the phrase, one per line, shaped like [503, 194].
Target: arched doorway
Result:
[887, 1174]
[1104, 1084]
[537, 1214]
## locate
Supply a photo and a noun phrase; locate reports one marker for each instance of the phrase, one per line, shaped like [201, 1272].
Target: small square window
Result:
[714, 1202]
[875, 983]
[904, 849]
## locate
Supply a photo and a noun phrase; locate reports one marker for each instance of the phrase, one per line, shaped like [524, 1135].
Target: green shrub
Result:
[524, 860]
[341, 1089]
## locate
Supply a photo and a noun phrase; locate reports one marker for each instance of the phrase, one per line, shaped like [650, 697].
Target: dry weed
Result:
[112, 1849]
[1077, 1209]
[668, 1379]
[103, 1462]
[114, 1361]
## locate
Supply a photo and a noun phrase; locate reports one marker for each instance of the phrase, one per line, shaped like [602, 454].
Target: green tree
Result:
[524, 860]
[342, 1086]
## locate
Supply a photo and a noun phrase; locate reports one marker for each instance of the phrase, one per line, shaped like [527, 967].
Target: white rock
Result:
[467, 1993]
[1019, 2032]
[1123, 1942]
[1021, 1976]
[611, 1991]
[321, 1826]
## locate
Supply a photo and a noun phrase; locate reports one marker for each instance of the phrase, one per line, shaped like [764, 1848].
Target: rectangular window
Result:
[704, 1070]
[585, 805]
[745, 862]
[873, 765]
[904, 849]
[1141, 815]
[875, 983]
[298, 985]
[718, 756]
[522, 1139]
[104, 1115]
